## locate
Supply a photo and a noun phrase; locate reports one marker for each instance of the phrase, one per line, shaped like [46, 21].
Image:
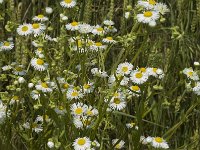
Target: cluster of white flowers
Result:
[156, 142]
[152, 11]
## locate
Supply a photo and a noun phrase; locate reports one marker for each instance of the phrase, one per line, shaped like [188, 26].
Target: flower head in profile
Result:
[159, 142]
[41, 18]
[73, 26]
[68, 3]
[6, 45]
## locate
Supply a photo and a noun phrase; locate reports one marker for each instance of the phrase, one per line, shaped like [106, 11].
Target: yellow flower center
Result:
[98, 44]
[61, 107]
[15, 98]
[124, 69]
[79, 43]
[74, 23]
[46, 117]
[118, 146]
[18, 69]
[39, 49]
[34, 125]
[190, 73]
[109, 38]
[116, 94]
[44, 85]
[40, 62]
[78, 111]
[143, 69]
[117, 100]
[148, 13]
[155, 69]
[159, 140]
[86, 86]
[100, 29]
[24, 28]
[135, 88]
[40, 16]
[89, 113]
[75, 93]
[152, 2]
[35, 25]
[81, 141]
[65, 85]
[6, 44]
[138, 75]
[68, 1]
[132, 124]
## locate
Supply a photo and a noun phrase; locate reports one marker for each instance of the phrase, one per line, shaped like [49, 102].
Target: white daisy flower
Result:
[41, 18]
[148, 17]
[60, 110]
[39, 51]
[26, 125]
[149, 4]
[37, 127]
[138, 77]
[124, 68]
[145, 141]
[40, 118]
[74, 93]
[88, 87]
[97, 72]
[82, 143]
[109, 40]
[155, 72]
[39, 64]
[19, 70]
[35, 94]
[6, 45]
[72, 26]
[91, 111]
[98, 30]
[25, 29]
[120, 145]
[85, 28]
[108, 22]
[191, 74]
[196, 89]
[15, 99]
[78, 109]
[161, 8]
[98, 46]
[64, 85]
[68, 3]
[38, 28]
[44, 87]
[82, 122]
[6, 68]
[159, 142]
[117, 102]
[130, 125]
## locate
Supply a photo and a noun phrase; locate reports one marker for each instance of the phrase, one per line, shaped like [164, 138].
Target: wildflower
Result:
[98, 72]
[81, 122]
[39, 64]
[6, 68]
[74, 94]
[98, 46]
[196, 63]
[41, 118]
[111, 29]
[161, 8]
[72, 26]
[149, 4]
[68, 3]
[15, 99]
[109, 40]
[196, 89]
[131, 125]
[191, 74]
[148, 17]
[108, 22]
[88, 87]
[50, 144]
[123, 80]
[85, 28]
[25, 29]
[134, 90]
[48, 10]
[98, 30]
[41, 18]
[124, 68]
[44, 87]
[82, 143]
[138, 77]
[19, 70]
[60, 110]
[6, 46]
[95, 143]
[35, 94]
[90, 111]
[21, 80]
[156, 72]
[78, 109]
[159, 142]
[37, 127]
[38, 28]
[127, 15]
[145, 141]
[120, 145]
